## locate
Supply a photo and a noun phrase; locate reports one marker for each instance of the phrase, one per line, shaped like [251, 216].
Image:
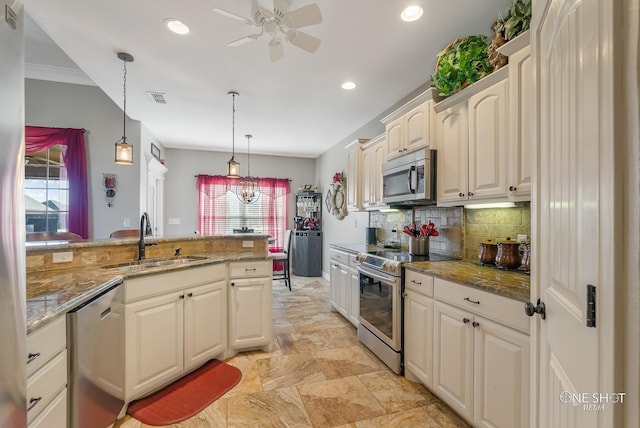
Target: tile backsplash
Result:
[461, 231]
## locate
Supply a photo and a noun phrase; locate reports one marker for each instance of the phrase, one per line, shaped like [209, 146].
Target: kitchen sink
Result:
[139, 265]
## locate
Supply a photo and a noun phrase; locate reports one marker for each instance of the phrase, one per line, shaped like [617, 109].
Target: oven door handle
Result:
[387, 279]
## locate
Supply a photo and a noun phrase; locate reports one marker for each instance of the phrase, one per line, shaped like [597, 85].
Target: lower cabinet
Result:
[470, 347]
[250, 304]
[344, 287]
[175, 322]
[47, 375]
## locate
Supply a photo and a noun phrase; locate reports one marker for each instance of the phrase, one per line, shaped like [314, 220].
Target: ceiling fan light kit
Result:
[280, 24]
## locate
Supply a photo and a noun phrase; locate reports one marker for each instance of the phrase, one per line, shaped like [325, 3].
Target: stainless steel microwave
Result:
[410, 179]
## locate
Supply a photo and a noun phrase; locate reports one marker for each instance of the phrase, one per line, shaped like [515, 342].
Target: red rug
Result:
[186, 396]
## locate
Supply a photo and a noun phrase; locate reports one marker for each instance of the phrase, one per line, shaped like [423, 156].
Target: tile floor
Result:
[318, 375]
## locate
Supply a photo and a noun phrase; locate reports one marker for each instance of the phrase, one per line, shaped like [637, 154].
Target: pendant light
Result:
[247, 189]
[233, 167]
[124, 150]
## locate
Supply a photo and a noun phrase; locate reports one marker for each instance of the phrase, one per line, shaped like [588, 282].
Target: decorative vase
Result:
[419, 246]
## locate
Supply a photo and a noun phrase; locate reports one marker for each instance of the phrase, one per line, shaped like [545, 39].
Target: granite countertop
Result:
[514, 285]
[52, 293]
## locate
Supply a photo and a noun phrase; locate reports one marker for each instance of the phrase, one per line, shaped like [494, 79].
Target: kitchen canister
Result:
[487, 252]
[508, 256]
[419, 246]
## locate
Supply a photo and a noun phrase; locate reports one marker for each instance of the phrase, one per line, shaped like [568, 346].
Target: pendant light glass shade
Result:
[233, 167]
[247, 189]
[124, 150]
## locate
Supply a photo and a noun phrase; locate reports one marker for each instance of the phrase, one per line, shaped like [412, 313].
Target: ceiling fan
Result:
[280, 24]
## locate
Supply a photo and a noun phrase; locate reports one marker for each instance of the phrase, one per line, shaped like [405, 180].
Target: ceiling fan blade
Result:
[276, 51]
[304, 16]
[242, 41]
[303, 40]
[232, 15]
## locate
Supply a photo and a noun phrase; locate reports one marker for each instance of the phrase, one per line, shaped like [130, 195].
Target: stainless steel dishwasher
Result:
[95, 342]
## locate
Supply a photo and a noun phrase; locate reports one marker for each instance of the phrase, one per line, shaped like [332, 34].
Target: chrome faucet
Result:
[144, 231]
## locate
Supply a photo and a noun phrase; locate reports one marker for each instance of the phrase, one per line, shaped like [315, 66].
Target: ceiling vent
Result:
[157, 97]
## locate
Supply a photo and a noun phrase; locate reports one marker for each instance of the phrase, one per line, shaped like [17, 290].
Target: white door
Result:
[572, 125]
[250, 320]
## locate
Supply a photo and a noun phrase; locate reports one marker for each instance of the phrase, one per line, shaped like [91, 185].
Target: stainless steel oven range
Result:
[380, 327]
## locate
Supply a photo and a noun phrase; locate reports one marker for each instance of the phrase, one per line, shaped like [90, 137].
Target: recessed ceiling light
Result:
[176, 26]
[348, 85]
[411, 13]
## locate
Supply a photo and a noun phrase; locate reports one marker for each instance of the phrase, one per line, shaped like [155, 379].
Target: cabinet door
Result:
[354, 177]
[520, 154]
[334, 284]
[394, 136]
[487, 142]
[418, 336]
[452, 131]
[55, 415]
[368, 160]
[417, 123]
[501, 374]
[453, 358]
[344, 297]
[379, 153]
[154, 342]
[250, 322]
[205, 323]
[354, 297]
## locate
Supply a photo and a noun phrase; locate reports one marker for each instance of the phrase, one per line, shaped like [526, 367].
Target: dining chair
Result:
[125, 233]
[284, 258]
[53, 236]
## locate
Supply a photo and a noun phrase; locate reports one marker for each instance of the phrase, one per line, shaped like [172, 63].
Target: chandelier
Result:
[247, 189]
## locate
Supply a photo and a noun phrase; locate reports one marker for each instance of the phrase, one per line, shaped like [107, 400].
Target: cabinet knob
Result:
[461, 194]
[181, 296]
[470, 194]
[512, 188]
[404, 295]
[190, 295]
[539, 308]
[466, 320]
[233, 284]
[475, 324]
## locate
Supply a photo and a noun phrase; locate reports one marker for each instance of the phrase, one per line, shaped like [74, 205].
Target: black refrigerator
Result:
[307, 236]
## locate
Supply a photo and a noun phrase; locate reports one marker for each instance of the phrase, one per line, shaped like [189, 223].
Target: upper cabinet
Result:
[354, 174]
[409, 127]
[483, 136]
[373, 155]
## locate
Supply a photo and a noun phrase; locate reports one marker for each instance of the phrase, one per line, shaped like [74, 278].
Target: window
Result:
[220, 211]
[46, 189]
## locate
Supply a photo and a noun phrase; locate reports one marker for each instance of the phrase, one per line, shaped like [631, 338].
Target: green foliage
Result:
[461, 64]
[517, 20]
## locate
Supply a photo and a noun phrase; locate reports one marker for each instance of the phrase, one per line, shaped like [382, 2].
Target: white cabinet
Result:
[408, 128]
[344, 285]
[520, 148]
[471, 132]
[418, 327]
[47, 375]
[250, 305]
[354, 174]
[481, 365]
[373, 156]
[175, 322]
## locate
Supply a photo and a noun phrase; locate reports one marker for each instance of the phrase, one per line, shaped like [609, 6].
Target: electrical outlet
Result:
[522, 238]
[247, 244]
[355, 223]
[174, 220]
[65, 257]
[126, 222]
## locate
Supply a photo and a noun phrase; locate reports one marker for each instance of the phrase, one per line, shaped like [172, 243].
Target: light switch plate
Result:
[522, 238]
[247, 244]
[65, 257]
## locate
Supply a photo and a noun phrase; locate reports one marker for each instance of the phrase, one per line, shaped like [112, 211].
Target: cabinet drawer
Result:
[45, 384]
[498, 308]
[339, 257]
[418, 282]
[55, 415]
[253, 268]
[44, 343]
[153, 285]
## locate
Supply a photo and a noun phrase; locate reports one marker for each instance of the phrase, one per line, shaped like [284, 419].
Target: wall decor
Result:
[336, 199]
[155, 151]
[109, 181]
